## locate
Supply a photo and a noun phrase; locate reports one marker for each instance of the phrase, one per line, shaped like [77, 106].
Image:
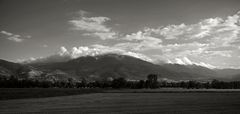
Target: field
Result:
[19, 93]
[130, 101]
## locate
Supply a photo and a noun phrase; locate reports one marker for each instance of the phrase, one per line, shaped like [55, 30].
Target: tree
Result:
[215, 84]
[119, 83]
[84, 82]
[152, 81]
[140, 84]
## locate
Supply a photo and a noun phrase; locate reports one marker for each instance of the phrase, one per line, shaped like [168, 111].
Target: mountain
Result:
[23, 71]
[191, 69]
[231, 74]
[108, 66]
[8, 69]
[115, 65]
[200, 71]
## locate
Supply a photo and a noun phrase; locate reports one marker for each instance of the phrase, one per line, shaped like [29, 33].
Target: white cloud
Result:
[14, 37]
[93, 26]
[198, 30]
[63, 51]
[219, 53]
[82, 12]
[142, 36]
[83, 51]
[186, 61]
[28, 36]
[208, 41]
[103, 35]
[62, 56]
[206, 65]
[191, 47]
[93, 50]
[178, 61]
[171, 31]
[45, 45]
[106, 49]
[139, 41]
[219, 31]
[6, 33]
[205, 43]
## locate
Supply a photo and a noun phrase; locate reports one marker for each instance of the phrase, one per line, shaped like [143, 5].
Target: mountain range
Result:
[110, 66]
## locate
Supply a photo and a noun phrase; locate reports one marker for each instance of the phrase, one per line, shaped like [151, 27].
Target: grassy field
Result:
[20, 93]
[24, 93]
[130, 101]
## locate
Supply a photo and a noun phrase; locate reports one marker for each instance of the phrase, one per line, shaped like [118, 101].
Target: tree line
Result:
[151, 82]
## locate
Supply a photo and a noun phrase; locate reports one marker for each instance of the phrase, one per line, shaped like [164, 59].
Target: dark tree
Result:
[141, 84]
[119, 83]
[152, 81]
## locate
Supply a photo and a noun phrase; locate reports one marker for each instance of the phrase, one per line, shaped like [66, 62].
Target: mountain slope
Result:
[8, 69]
[114, 65]
[191, 69]
[19, 71]
[108, 66]
[231, 74]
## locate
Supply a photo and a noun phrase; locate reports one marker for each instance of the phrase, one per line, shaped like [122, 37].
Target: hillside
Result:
[110, 66]
[114, 65]
[20, 71]
[8, 69]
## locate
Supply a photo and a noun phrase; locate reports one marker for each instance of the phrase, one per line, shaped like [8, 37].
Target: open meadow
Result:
[129, 101]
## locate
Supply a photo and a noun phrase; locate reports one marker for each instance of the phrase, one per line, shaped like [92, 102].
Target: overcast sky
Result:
[204, 32]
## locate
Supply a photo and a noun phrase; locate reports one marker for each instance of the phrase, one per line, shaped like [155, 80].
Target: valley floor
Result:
[130, 101]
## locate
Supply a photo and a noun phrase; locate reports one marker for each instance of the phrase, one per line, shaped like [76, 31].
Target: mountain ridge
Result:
[106, 66]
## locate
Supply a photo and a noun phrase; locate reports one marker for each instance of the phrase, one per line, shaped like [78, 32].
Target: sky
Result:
[201, 32]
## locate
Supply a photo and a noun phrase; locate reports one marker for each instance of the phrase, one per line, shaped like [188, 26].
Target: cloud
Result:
[209, 41]
[101, 49]
[90, 24]
[192, 47]
[45, 45]
[63, 51]
[28, 36]
[219, 31]
[6, 33]
[178, 61]
[82, 12]
[14, 37]
[142, 36]
[205, 43]
[61, 56]
[186, 61]
[64, 54]
[139, 41]
[206, 65]
[169, 32]
[103, 35]
[223, 53]
[93, 26]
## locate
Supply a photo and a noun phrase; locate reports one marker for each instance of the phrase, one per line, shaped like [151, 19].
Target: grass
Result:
[115, 103]
[23, 93]
[173, 90]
